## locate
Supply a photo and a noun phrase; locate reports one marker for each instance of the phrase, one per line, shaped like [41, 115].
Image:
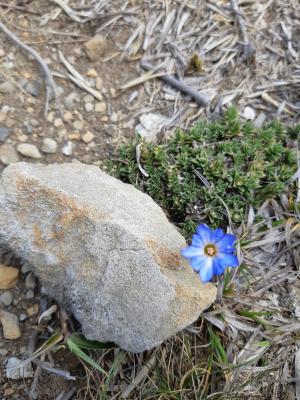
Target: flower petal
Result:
[227, 260]
[226, 243]
[197, 241]
[206, 271]
[218, 267]
[197, 262]
[204, 232]
[191, 251]
[216, 235]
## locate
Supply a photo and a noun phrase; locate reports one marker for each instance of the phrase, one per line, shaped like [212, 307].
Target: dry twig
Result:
[248, 48]
[199, 98]
[49, 81]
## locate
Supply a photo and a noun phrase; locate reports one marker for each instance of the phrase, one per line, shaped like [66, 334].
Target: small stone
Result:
[15, 369]
[4, 133]
[2, 52]
[8, 154]
[6, 298]
[104, 118]
[58, 122]
[3, 352]
[49, 146]
[23, 317]
[29, 294]
[69, 100]
[88, 108]
[62, 134]
[8, 277]
[100, 107]
[260, 120]
[88, 137]
[30, 281]
[29, 150]
[33, 88]
[22, 138]
[25, 268]
[51, 116]
[34, 122]
[92, 73]
[88, 98]
[10, 325]
[96, 47]
[74, 136]
[28, 127]
[99, 83]
[67, 116]
[68, 149]
[249, 113]
[114, 117]
[112, 91]
[78, 125]
[7, 87]
[32, 310]
[8, 392]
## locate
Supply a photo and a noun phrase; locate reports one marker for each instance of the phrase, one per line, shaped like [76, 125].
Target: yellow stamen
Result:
[210, 250]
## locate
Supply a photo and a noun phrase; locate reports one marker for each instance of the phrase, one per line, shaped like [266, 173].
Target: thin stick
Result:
[199, 98]
[19, 8]
[49, 81]
[248, 49]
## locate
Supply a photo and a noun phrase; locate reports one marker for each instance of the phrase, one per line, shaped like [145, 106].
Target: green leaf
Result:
[79, 340]
[81, 354]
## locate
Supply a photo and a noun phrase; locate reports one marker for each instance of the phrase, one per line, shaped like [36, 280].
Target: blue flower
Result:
[211, 252]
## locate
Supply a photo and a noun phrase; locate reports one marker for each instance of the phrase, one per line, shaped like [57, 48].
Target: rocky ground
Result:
[87, 127]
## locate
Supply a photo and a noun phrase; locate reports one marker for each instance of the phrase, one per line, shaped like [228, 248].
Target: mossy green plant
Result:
[194, 173]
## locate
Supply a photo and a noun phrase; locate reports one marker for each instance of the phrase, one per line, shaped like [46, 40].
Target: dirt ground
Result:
[109, 120]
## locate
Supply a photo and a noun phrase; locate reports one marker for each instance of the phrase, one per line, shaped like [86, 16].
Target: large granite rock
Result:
[103, 250]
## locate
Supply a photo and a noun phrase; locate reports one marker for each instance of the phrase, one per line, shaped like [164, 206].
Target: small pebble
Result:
[96, 47]
[249, 113]
[49, 146]
[4, 133]
[78, 125]
[114, 117]
[74, 136]
[88, 98]
[6, 298]
[33, 88]
[10, 325]
[29, 150]
[32, 310]
[7, 87]
[89, 107]
[30, 281]
[67, 116]
[14, 371]
[8, 277]
[8, 154]
[88, 137]
[68, 149]
[58, 122]
[23, 317]
[3, 352]
[2, 52]
[92, 73]
[29, 294]
[100, 107]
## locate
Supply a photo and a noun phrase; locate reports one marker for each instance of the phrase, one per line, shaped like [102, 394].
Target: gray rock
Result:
[29, 150]
[4, 133]
[49, 146]
[8, 154]
[29, 294]
[3, 352]
[7, 87]
[22, 317]
[68, 148]
[89, 107]
[16, 369]
[30, 281]
[104, 250]
[6, 298]
[33, 88]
